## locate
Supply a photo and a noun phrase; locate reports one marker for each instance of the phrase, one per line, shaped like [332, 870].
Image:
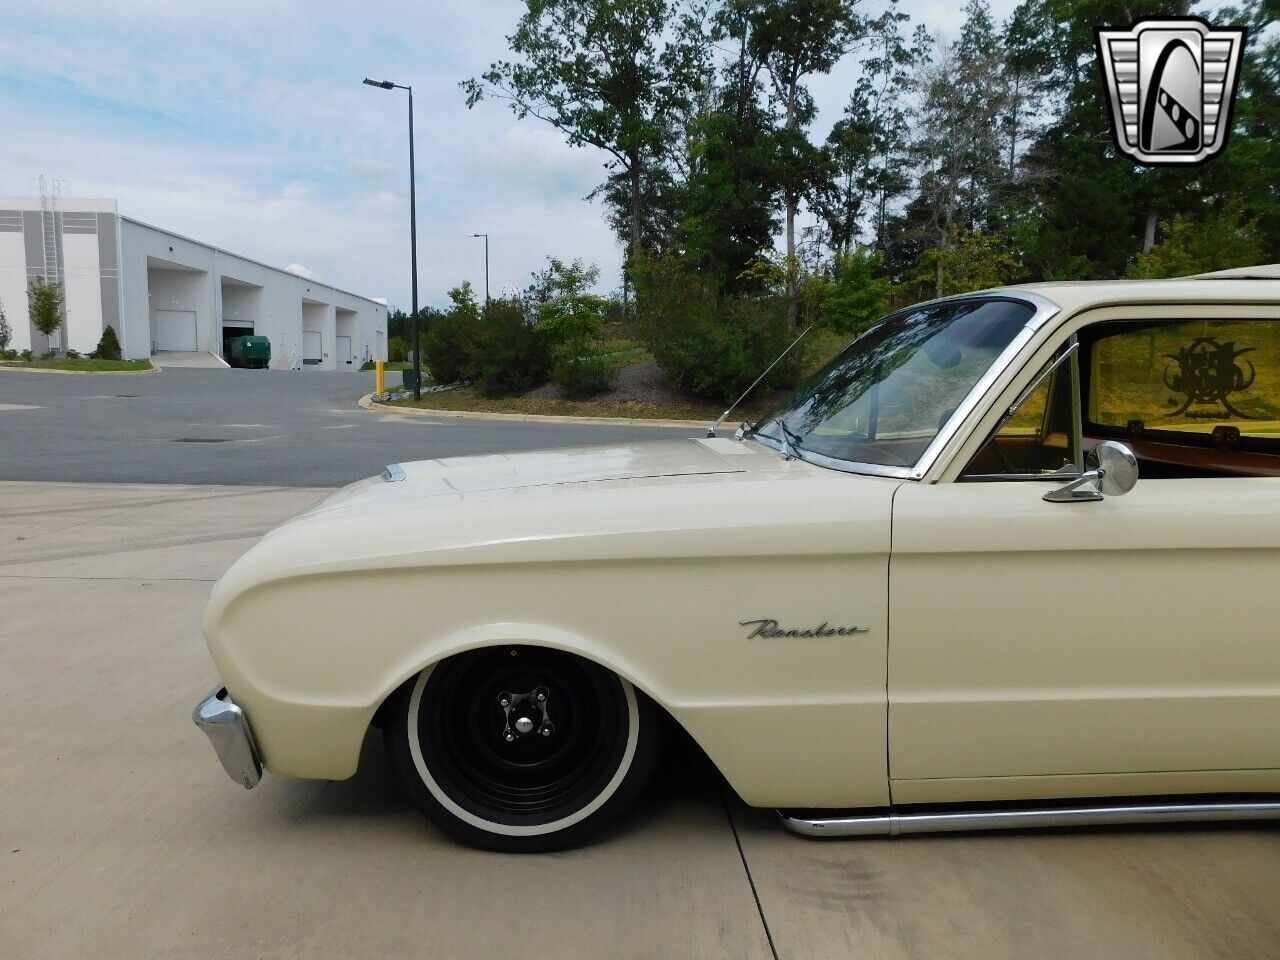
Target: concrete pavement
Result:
[122, 836]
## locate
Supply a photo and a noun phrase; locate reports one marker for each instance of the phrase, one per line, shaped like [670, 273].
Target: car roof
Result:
[1249, 285]
[1264, 271]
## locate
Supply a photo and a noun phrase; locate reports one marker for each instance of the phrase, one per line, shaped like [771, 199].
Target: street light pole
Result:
[413, 238]
[486, 265]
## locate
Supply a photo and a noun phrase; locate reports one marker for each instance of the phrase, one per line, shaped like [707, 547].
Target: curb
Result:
[367, 403]
[155, 368]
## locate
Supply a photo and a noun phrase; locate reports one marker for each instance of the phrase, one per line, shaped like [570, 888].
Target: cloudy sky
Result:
[246, 125]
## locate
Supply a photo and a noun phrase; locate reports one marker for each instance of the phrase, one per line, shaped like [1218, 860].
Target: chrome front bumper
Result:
[227, 728]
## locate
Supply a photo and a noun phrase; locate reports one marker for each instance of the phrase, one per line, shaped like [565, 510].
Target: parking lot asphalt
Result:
[293, 428]
[122, 837]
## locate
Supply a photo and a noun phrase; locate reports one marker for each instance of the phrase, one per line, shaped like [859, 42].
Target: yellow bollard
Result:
[379, 377]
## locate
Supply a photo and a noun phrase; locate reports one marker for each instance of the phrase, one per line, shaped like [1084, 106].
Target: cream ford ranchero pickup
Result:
[928, 592]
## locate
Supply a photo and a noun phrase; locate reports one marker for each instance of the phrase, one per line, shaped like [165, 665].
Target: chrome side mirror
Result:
[1113, 471]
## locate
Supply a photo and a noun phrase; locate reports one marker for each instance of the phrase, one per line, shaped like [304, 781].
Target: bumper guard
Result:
[227, 728]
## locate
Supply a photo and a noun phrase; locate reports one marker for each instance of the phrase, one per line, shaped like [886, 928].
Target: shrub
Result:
[26, 354]
[1218, 242]
[856, 297]
[450, 347]
[511, 353]
[711, 345]
[6, 331]
[583, 376]
[970, 260]
[72, 354]
[109, 346]
[398, 350]
[571, 319]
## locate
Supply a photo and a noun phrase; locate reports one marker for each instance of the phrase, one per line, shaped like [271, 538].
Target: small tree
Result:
[570, 320]
[109, 346]
[45, 305]
[449, 348]
[970, 260]
[856, 298]
[510, 352]
[6, 331]
[1218, 242]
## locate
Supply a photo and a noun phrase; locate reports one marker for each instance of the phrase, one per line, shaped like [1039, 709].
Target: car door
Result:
[1127, 644]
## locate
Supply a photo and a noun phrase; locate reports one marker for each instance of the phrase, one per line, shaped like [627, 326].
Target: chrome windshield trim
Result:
[1045, 309]
[393, 472]
[819, 460]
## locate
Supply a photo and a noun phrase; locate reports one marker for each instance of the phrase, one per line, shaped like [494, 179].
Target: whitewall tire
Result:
[522, 749]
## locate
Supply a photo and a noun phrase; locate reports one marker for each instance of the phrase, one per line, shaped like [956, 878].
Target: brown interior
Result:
[1158, 459]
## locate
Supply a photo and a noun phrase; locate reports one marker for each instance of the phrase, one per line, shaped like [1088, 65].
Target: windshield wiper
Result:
[790, 440]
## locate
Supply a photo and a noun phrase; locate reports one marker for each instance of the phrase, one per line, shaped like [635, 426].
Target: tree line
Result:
[958, 162]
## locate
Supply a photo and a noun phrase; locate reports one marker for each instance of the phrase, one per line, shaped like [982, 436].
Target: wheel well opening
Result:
[681, 750]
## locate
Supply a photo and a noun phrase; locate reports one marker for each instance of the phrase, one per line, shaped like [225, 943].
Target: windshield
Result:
[885, 398]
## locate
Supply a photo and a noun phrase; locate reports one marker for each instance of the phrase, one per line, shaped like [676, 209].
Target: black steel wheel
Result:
[522, 748]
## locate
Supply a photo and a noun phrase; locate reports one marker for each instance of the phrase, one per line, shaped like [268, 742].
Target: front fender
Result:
[789, 720]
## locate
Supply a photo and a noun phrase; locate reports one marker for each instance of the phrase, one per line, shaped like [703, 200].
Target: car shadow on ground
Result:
[685, 780]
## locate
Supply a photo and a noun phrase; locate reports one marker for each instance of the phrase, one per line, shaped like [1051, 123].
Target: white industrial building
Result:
[167, 294]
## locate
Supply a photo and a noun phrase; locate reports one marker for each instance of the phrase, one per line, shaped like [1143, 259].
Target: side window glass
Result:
[1038, 437]
[1198, 381]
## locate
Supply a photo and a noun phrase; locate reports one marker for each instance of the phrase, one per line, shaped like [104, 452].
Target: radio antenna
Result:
[711, 430]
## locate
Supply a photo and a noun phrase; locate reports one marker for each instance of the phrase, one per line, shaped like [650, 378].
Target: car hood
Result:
[691, 498]
[487, 475]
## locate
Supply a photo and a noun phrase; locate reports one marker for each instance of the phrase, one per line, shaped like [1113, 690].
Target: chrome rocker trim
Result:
[227, 728]
[893, 823]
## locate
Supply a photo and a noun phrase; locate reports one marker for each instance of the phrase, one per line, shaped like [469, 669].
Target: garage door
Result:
[176, 330]
[312, 350]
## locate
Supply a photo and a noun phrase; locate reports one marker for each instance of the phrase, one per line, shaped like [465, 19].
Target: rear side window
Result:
[1211, 382]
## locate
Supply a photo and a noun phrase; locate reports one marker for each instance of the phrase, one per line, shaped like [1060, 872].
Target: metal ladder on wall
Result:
[49, 234]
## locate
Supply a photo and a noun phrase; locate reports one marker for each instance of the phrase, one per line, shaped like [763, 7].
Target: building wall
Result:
[82, 291]
[275, 306]
[13, 281]
[83, 245]
[241, 306]
[347, 324]
[186, 290]
[120, 272]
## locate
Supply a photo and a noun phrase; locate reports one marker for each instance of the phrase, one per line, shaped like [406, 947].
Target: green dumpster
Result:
[250, 351]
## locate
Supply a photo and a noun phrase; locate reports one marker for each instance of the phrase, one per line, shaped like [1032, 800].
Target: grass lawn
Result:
[80, 365]
[467, 399]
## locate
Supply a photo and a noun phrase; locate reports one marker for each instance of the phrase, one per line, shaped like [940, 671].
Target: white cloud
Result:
[245, 124]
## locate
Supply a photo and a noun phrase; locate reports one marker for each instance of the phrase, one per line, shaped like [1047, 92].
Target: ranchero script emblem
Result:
[1171, 83]
[769, 630]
